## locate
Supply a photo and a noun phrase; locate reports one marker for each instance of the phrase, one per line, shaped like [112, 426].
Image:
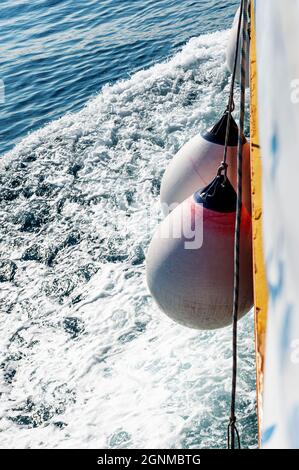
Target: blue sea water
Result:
[109, 91]
[56, 54]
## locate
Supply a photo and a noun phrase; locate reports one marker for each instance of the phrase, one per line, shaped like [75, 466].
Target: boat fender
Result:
[190, 261]
[231, 49]
[197, 161]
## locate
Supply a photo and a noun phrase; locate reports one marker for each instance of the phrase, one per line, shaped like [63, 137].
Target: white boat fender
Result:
[192, 280]
[197, 161]
[231, 50]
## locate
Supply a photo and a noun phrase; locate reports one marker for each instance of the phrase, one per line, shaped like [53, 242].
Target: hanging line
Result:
[232, 431]
[231, 106]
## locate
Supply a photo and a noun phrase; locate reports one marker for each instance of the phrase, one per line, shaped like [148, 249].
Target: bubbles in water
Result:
[82, 341]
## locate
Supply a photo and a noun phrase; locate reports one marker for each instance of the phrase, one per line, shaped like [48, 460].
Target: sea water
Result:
[87, 358]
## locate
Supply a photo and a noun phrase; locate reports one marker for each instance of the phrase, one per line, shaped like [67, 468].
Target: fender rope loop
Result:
[232, 428]
[222, 168]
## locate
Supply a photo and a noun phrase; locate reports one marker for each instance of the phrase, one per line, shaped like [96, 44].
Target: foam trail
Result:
[87, 358]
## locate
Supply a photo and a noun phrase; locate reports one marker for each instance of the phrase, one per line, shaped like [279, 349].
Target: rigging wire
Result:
[232, 431]
[231, 105]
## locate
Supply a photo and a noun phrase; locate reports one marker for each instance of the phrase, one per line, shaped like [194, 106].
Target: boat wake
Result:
[87, 359]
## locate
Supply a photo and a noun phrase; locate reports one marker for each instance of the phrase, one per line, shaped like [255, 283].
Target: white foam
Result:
[130, 378]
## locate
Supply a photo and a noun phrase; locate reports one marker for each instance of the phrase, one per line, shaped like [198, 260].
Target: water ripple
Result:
[87, 359]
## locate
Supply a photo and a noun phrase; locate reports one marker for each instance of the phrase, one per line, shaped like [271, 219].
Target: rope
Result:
[232, 431]
[231, 105]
